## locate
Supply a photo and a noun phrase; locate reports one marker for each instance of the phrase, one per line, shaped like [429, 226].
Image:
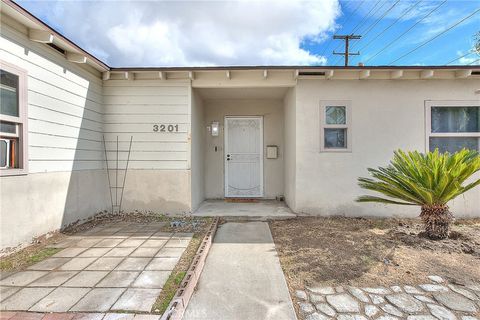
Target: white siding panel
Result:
[43, 126]
[48, 140]
[39, 113]
[132, 108]
[146, 109]
[47, 153]
[60, 165]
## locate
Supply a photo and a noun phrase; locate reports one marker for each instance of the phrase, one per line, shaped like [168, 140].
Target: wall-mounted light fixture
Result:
[215, 128]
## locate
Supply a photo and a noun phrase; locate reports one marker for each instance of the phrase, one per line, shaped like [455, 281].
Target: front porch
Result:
[251, 209]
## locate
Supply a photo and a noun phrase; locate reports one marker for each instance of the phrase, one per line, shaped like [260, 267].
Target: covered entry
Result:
[232, 129]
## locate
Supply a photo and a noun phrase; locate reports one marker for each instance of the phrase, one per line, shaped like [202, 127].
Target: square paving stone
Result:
[25, 298]
[60, 300]
[108, 243]
[144, 252]
[22, 278]
[58, 316]
[69, 252]
[49, 264]
[131, 243]
[86, 279]
[28, 316]
[118, 279]
[6, 292]
[137, 300]
[170, 252]
[94, 252]
[155, 243]
[120, 252]
[104, 264]
[147, 317]
[162, 264]
[88, 242]
[162, 235]
[99, 299]
[177, 243]
[119, 316]
[53, 279]
[77, 264]
[188, 235]
[70, 242]
[133, 264]
[88, 316]
[151, 279]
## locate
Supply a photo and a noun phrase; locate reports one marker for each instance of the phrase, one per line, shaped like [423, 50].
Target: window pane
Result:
[335, 138]
[8, 94]
[8, 127]
[454, 144]
[455, 119]
[335, 115]
[3, 153]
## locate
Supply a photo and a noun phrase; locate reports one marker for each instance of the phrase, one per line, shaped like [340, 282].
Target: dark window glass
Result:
[8, 127]
[454, 144]
[8, 94]
[455, 119]
[336, 138]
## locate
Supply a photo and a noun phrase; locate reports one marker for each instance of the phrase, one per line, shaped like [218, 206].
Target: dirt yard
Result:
[363, 252]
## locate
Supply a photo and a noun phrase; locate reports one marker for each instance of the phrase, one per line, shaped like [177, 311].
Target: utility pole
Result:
[347, 38]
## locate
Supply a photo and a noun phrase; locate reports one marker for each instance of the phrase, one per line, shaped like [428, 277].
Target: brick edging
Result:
[179, 303]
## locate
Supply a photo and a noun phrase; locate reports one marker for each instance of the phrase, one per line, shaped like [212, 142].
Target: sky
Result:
[267, 32]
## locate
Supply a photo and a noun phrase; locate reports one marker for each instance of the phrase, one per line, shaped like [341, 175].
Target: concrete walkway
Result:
[242, 278]
[260, 209]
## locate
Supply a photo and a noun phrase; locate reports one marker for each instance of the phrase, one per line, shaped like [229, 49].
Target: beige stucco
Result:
[386, 115]
[272, 112]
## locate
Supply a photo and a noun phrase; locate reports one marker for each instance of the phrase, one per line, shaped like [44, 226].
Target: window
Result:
[453, 125]
[335, 133]
[13, 131]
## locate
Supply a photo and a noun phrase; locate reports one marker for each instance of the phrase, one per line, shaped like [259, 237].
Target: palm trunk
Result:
[437, 221]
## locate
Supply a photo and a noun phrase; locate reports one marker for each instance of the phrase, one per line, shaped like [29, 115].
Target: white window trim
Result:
[348, 125]
[21, 119]
[446, 103]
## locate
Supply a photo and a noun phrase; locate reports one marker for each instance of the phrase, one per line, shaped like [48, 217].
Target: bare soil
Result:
[362, 252]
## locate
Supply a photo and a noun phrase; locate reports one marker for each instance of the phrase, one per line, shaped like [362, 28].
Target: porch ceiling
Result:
[242, 93]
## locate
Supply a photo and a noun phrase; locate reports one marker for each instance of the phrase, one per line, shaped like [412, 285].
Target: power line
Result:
[391, 25]
[463, 56]
[438, 35]
[380, 19]
[408, 30]
[474, 62]
[350, 15]
[361, 22]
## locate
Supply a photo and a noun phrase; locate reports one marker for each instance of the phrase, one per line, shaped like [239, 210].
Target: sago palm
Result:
[428, 180]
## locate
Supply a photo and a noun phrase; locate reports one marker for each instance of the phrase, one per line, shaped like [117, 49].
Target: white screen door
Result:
[243, 157]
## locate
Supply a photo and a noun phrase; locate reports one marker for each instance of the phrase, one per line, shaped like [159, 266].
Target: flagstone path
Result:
[437, 300]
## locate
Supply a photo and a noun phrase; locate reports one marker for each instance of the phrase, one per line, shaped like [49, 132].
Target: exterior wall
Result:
[386, 115]
[158, 176]
[272, 112]
[198, 150]
[66, 179]
[289, 107]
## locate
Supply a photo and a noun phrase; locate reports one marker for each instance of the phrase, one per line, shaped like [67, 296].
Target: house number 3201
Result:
[165, 128]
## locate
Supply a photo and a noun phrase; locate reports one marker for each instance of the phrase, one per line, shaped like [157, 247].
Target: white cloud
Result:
[180, 33]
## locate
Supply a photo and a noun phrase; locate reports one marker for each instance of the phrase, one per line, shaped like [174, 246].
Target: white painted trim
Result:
[445, 103]
[41, 36]
[225, 151]
[427, 74]
[22, 119]
[348, 108]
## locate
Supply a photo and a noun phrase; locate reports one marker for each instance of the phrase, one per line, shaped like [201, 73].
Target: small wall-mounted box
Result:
[272, 152]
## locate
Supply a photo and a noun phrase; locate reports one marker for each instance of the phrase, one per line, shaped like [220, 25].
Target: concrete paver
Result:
[53, 279]
[86, 279]
[60, 300]
[92, 273]
[98, 299]
[170, 252]
[242, 278]
[137, 300]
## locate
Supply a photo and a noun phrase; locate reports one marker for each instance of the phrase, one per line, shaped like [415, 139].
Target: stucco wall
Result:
[386, 115]
[272, 111]
[198, 141]
[290, 147]
[66, 180]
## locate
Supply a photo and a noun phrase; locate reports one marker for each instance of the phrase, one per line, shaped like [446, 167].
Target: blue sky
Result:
[282, 32]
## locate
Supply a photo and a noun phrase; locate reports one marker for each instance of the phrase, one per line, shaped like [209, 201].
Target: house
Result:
[300, 133]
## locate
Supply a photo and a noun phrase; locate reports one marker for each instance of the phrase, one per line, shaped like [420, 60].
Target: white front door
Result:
[243, 157]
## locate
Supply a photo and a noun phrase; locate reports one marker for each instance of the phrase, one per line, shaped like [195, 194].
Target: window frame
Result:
[446, 103]
[348, 124]
[21, 120]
